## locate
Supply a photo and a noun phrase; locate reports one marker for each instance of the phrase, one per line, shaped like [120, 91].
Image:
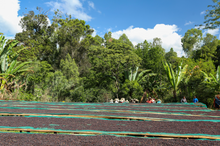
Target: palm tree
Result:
[174, 77]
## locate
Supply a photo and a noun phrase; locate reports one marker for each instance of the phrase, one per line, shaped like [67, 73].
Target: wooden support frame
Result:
[162, 136]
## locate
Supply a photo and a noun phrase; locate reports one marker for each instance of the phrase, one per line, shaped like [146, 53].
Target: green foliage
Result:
[99, 39]
[90, 95]
[131, 89]
[124, 39]
[74, 66]
[174, 77]
[214, 81]
[171, 56]
[113, 60]
[205, 94]
[212, 16]
[191, 40]
[155, 56]
[208, 49]
[134, 75]
[26, 96]
[157, 43]
[74, 38]
[11, 70]
[69, 68]
[38, 37]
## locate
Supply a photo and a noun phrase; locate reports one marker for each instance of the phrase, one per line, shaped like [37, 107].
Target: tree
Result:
[157, 42]
[38, 36]
[113, 60]
[170, 56]
[208, 49]
[174, 77]
[217, 62]
[153, 58]
[74, 38]
[153, 87]
[191, 40]
[124, 39]
[141, 50]
[131, 89]
[99, 39]
[136, 78]
[69, 68]
[108, 38]
[212, 16]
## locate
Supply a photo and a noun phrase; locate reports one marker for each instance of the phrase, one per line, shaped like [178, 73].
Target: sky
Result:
[139, 19]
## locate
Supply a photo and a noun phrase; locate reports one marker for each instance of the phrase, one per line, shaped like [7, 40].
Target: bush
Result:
[90, 95]
[131, 89]
[206, 94]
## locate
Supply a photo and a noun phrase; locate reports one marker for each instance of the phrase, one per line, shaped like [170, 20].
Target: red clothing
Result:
[149, 101]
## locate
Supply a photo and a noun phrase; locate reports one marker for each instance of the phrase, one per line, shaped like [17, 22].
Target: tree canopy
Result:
[61, 60]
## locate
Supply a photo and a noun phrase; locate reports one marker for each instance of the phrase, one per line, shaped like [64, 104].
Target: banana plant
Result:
[213, 80]
[15, 69]
[133, 75]
[10, 67]
[174, 77]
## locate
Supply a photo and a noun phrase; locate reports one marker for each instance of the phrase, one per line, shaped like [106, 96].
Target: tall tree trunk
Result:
[174, 95]
[118, 88]
[144, 96]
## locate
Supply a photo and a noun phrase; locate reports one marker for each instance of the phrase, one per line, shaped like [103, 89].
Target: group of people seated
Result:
[152, 100]
[216, 102]
[122, 100]
[195, 100]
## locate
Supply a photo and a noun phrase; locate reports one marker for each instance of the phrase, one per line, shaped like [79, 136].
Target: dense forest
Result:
[62, 61]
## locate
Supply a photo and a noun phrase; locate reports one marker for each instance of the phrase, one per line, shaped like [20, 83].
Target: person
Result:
[195, 100]
[116, 100]
[158, 101]
[153, 100]
[111, 101]
[149, 100]
[126, 101]
[122, 100]
[183, 100]
[136, 100]
[216, 102]
[132, 101]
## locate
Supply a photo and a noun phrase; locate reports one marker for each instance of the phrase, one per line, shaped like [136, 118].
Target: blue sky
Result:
[138, 19]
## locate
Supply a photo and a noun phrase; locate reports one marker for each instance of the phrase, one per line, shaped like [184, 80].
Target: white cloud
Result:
[94, 33]
[188, 23]
[9, 19]
[91, 4]
[203, 12]
[49, 22]
[109, 29]
[212, 31]
[73, 7]
[167, 33]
